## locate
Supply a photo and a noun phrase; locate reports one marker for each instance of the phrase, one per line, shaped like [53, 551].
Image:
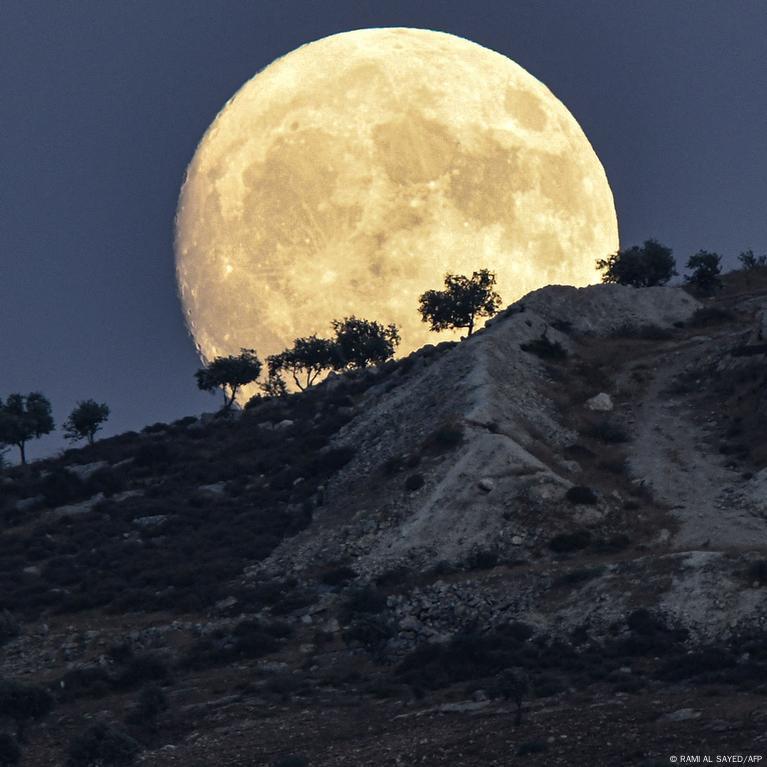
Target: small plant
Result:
[607, 431]
[545, 348]
[152, 701]
[10, 754]
[580, 494]
[23, 703]
[366, 599]
[414, 482]
[102, 745]
[566, 542]
[293, 760]
[446, 437]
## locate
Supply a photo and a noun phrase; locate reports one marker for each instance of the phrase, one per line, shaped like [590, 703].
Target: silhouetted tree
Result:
[85, 420]
[359, 343]
[306, 360]
[274, 386]
[652, 264]
[229, 374]
[748, 260]
[463, 300]
[23, 703]
[706, 268]
[24, 418]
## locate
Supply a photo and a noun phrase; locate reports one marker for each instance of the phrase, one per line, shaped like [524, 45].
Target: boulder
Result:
[601, 402]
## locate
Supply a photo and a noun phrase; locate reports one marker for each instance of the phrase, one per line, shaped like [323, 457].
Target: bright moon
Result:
[350, 175]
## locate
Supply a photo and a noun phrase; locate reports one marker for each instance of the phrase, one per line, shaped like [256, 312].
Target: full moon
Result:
[352, 174]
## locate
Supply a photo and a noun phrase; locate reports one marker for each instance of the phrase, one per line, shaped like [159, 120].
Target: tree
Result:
[652, 264]
[463, 300]
[23, 703]
[85, 420]
[24, 418]
[229, 374]
[307, 359]
[706, 268]
[359, 343]
[750, 261]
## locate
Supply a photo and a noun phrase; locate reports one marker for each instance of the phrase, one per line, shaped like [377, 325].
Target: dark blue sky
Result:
[102, 103]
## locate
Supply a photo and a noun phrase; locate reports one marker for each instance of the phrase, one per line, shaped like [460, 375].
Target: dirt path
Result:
[671, 454]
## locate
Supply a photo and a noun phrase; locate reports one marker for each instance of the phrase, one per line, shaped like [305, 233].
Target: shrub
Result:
[706, 268]
[446, 437]
[152, 701]
[330, 461]
[565, 542]
[579, 576]
[757, 572]
[367, 599]
[62, 486]
[482, 559]
[710, 315]
[152, 455]
[10, 754]
[23, 703]
[9, 627]
[148, 667]
[337, 576]
[581, 494]
[531, 747]
[102, 745]
[545, 348]
[607, 431]
[642, 332]
[414, 482]
[293, 760]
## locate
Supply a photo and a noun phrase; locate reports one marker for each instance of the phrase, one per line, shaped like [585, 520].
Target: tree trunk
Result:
[471, 325]
[22, 453]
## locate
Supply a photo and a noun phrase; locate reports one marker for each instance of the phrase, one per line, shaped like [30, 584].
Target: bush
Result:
[710, 315]
[9, 627]
[294, 760]
[10, 754]
[102, 745]
[608, 432]
[61, 487]
[152, 701]
[446, 437]
[565, 542]
[414, 482]
[23, 703]
[581, 494]
[337, 576]
[642, 332]
[367, 599]
[544, 348]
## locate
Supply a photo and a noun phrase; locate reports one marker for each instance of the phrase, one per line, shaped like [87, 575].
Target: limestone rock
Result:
[601, 403]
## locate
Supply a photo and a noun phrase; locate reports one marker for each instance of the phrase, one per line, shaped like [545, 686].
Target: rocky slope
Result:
[569, 507]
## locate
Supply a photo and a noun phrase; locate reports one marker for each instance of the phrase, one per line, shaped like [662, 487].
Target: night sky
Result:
[102, 103]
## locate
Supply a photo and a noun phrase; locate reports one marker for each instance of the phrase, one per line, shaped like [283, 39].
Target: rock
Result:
[225, 604]
[486, 484]
[155, 520]
[572, 466]
[757, 489]
[86, 470]
[517, 540]
[74, 509]
[284, 424]
[32, 570]
[217, 488]
[463, 706]
[29, 504]
[681, 715]
[601, 402]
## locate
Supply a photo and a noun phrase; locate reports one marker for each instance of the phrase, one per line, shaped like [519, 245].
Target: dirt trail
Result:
[672, 455]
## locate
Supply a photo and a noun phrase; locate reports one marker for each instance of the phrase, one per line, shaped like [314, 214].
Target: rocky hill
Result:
[566, 511]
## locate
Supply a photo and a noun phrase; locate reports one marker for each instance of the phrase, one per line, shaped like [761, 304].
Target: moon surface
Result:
[351, 174]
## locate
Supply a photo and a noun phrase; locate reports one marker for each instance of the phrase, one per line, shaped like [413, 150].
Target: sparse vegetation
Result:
[580, 494]
[567, 542]
[748, 260]
[414, 482]
[23, 703]
[461, 303]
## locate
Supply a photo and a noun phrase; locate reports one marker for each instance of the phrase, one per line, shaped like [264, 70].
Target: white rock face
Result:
[86, 470]
[601, 402]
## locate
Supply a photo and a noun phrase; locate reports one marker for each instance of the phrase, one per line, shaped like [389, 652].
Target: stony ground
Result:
[346, 577]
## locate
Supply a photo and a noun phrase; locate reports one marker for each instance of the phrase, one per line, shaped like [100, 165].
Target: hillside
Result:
[569, 507]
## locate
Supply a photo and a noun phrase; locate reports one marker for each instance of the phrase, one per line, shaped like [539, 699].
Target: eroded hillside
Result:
[570, 507]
